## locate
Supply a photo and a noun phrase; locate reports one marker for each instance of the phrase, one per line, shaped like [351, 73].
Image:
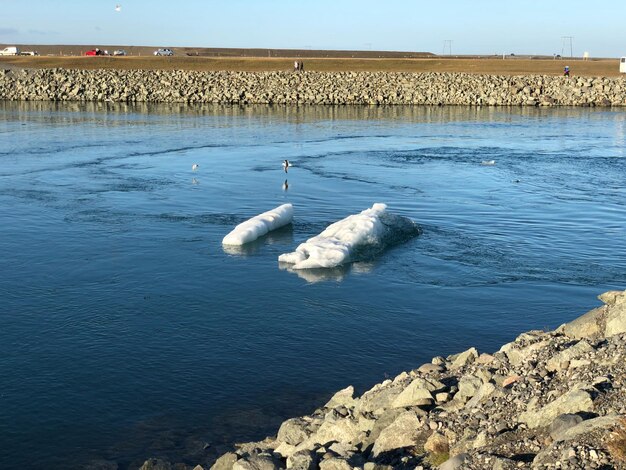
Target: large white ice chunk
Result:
[338, 243]
[258, 226]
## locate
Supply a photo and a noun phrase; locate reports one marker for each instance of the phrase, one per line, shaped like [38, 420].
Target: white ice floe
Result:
[340, 241]
[258, 226]
[488, 162]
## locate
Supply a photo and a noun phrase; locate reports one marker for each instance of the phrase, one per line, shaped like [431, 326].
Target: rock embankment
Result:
[548, 400]
[322, 88]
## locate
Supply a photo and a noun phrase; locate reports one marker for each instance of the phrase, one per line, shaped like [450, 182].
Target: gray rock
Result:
[482, 394]
[430, 368]
[573, 434]
[383, 421]
[376, 466]
[468, 386]
[343, 397]
[589, 426]
[303, 460]
[562, 423]
[418, 393]
[335, 464]
[343, 430]
[463, 359]
[380, 397]
[604, 321]
[571, 402]
[225, 462]
[579, 349]
[258, 462]
[403, 432]
[616, 315]
[294, 431]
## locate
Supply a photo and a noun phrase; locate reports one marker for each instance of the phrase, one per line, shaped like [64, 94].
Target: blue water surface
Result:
[127, 331]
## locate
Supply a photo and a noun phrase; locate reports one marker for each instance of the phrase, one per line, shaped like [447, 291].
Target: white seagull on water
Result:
[195, 166]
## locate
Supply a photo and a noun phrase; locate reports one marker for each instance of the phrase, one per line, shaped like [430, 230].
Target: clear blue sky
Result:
[474, 27]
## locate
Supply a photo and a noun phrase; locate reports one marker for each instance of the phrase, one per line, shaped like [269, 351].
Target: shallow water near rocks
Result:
[127, 331]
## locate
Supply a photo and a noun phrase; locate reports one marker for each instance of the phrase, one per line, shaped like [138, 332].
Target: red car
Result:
[95, 51]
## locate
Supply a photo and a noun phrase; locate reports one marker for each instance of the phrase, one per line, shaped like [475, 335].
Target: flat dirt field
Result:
[257, 60]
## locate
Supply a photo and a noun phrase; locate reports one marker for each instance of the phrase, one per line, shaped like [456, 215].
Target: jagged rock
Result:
[403, 432]
[485, 359]
[579, 349]
[587, 427]
[380, 397]
[344, 397]
[430, 368]
[342, 450]
[604, 321]
[294, 431]
[590, 325]
[342, 430]
[303, 460]
[468, 387]
[463, 359]
[335, 464]
[383, 421]
[418, 393]
[562, 423]
[267, 444]
[376, 466]
[571, 402]
[481, 395]
[286, 450]
[517, 355]
[258, 462]
[225, 462]
[616, 316]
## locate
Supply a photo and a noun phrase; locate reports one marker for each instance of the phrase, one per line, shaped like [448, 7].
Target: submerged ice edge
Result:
[259, 225]
[342, 241]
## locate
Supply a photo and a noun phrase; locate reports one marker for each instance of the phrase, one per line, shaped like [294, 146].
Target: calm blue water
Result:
[127, 332]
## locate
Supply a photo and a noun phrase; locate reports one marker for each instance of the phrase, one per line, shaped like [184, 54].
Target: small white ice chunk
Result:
[258, 226]
[336, 244]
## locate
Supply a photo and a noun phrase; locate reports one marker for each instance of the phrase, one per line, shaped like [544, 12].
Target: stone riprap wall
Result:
[547, 400]
[328, 88]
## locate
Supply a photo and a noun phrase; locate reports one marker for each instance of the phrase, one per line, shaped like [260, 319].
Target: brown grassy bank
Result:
[489, 66]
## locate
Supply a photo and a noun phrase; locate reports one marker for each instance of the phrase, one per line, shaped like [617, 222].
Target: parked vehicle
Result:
[622, 65]
[96, 51]
[119, 52]
[29, 53]
[11, 50]
[166, 52]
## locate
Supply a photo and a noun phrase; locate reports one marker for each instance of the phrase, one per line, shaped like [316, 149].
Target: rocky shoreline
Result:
[320, 88]
[548, 400]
